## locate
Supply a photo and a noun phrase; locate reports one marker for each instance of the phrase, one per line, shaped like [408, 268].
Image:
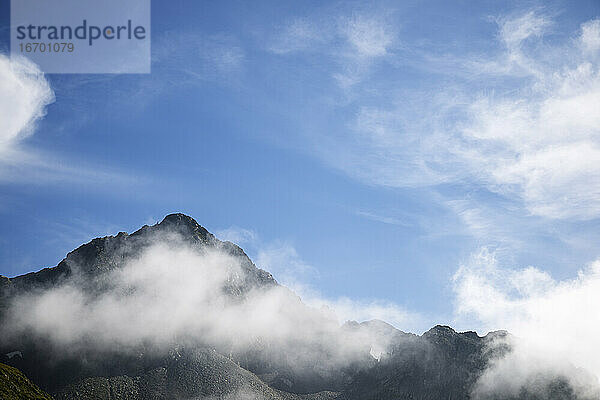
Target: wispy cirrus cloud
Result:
[541, 142]
[368, 36]
[299, 34]
[187, 56]
[386, 219]
[522, 124]
[237, 235]
[590, 36]
[352, 41]
[516, 33]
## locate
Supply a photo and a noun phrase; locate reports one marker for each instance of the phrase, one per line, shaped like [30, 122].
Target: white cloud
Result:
[184, 58]
[369, 37]
[554, 323]
[514, 30]
[357, 35]
[385, 219]
[237, 235]
[282, 260]
[532, 135]
[518, 35]
[172, 291]
[542, 144]
[287, 266]
[353, 43]
[590, 36]
[24, 95]
[489, 225]
[388, 146]
[24, 165]
[348, 309]
[299, 34]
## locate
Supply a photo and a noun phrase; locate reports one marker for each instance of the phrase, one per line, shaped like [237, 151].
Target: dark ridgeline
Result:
[440, 364]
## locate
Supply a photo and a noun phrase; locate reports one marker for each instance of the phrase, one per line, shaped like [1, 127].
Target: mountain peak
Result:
[440, 331]
[182, 224]
[179, 219]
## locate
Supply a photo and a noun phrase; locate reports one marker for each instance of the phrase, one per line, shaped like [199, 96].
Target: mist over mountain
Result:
[172, 312]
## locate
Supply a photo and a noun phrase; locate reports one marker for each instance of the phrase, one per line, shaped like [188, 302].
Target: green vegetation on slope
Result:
[15, 386]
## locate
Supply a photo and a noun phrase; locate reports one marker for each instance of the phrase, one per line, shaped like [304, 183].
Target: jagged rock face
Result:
[439, 364]
[195, 373]
[91, 265]
[92, 260]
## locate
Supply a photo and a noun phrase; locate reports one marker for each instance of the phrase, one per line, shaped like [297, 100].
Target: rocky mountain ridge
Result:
[441, 363]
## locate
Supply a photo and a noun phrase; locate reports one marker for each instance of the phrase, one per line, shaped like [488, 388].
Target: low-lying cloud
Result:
[287, 266]
[174, 293]
[554, 324]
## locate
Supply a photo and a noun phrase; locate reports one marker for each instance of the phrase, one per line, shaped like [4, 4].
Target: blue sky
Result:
[360, 151]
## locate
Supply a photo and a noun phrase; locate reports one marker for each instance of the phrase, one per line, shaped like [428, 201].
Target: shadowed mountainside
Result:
[15, 386]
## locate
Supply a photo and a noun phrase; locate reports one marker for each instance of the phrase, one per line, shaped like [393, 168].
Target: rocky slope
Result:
[187, 374]
[15, 386]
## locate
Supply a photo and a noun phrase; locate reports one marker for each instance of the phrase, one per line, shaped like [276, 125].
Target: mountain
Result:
[15, 386]
[187, 374]
[92, 260]
[172, 312]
